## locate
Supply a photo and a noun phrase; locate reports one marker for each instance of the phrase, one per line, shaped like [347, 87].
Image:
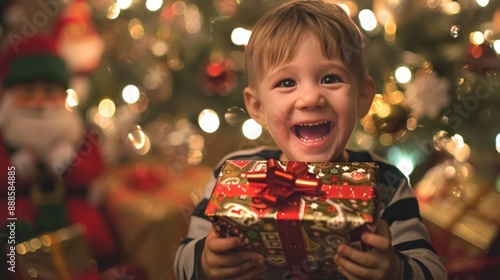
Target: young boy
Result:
[308, 85]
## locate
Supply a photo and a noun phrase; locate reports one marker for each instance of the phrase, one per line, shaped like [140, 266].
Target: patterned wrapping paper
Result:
[296, 213]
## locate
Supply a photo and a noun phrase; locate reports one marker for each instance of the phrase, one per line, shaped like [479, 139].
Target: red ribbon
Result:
[279, 184]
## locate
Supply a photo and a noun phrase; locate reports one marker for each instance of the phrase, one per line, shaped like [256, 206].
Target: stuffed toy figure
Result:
[53, 156]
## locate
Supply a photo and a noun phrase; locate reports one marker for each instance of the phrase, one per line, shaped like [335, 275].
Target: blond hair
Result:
[277, 34]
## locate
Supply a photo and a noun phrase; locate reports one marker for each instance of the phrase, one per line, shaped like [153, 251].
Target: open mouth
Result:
[312, 132]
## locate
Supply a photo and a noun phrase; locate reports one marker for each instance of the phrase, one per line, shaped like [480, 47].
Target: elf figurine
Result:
[55, 157]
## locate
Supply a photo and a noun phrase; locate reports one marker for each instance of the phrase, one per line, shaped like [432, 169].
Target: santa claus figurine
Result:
[53, 155]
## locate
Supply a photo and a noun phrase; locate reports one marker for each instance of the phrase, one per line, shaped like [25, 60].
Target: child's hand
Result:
[222, 259]
[379, 263]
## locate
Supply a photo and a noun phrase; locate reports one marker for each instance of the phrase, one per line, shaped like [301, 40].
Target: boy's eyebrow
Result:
[337, 65]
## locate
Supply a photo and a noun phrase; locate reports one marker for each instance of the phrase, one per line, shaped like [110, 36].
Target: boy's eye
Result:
[286, 83]
[330, 79]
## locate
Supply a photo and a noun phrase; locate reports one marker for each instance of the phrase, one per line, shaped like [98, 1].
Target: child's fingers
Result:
[352, 270]
[378, 242]
[219, 245]
[383, 229]
[232, 259]
[354, 256]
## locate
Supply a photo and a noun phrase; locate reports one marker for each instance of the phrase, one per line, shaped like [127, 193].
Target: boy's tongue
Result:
[310, 133]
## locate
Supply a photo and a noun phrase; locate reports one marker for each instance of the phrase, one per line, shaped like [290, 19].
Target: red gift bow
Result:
[279, 184]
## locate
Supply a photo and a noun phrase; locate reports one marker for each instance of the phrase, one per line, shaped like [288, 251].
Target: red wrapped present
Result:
[296, 213]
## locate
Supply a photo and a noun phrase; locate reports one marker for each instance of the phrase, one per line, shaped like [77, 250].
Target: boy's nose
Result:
[311, 99]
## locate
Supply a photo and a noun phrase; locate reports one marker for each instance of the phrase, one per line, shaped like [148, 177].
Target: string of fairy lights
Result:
[397, 111]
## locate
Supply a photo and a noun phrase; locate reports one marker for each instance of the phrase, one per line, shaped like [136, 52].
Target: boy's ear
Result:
[254, 106]
[365, 98]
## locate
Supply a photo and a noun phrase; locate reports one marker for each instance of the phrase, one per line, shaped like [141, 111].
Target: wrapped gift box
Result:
[295, 213]
[59, 255]
[150, 206]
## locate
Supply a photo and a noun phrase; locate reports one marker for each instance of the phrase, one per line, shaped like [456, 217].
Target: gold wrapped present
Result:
[59, 255]
[150, 207]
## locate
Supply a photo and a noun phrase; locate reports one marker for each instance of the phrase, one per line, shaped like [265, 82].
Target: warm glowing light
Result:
[208, 121]
[385, 139]
[452, 8]
[497, 142]
[71, 99]
[251, 129]
[367, 20]
[462, 153]
[195, 142]
[154, 5]
[137, 138]
[106, 108]
[477, 38]
[396, 97]
[405, 165]
[135, 29]
[131, 94]
[192, 19]
[403, 74]
[482, 3]
[345, 8]
[124, 4]
[390, 27]
[113, 11]
[159, 48]
[489, 35]
[384, 110]
[496, 46]
[240, 36]
[411, 123]
[179, 7]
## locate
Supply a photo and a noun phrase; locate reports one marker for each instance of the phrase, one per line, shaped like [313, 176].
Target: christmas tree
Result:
[169, 76]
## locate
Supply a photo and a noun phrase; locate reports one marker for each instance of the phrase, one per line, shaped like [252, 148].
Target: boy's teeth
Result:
[312, 132]
[311, 124]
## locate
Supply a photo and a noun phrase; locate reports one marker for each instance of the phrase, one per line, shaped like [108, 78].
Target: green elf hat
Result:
[32, 59]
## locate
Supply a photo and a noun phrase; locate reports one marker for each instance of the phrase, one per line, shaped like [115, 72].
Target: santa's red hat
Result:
[32, 59]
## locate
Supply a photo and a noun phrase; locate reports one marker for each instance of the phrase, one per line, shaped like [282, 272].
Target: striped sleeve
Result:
[188, 255]
[189, 252]
[410, 238]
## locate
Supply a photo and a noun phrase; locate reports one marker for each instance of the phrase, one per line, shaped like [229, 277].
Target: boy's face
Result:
[310, 105]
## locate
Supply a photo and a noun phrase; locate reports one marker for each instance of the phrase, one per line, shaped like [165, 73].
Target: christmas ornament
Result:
[227, 7]
[481, 59]
[235, 116]
[78, 40]
[220, 77]
[427, 94]
[389, 121]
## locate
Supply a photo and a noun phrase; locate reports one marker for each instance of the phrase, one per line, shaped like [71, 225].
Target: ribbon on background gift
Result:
[283, 189]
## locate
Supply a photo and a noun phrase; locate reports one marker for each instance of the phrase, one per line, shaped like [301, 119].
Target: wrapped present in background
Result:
[460, 209]
[295, 213]
[150, 205]
[59, 255]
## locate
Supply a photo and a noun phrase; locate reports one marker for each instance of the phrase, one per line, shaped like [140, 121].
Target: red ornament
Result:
[481, 59]
[220, 78]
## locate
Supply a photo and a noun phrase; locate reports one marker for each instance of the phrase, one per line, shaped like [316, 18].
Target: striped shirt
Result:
[399, 207]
